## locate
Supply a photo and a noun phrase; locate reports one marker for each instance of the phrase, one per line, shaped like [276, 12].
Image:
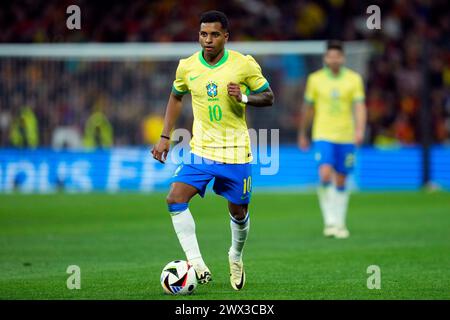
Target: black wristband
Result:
[165, 137]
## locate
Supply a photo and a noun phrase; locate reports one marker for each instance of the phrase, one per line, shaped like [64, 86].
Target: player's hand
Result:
[303, 142]
[161, 149]
[234, 90]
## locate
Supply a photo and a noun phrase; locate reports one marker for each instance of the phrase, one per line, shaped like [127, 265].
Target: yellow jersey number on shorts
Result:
[247, 185]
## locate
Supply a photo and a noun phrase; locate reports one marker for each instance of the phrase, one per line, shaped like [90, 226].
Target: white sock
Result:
[326, 196]
[184, 226]
[341, 198]
[239, 233]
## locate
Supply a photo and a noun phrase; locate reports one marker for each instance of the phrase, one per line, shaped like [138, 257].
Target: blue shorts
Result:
[232, 181]
[341, 156]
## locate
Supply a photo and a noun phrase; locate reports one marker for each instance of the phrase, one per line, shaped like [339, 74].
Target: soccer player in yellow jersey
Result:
[221, 83]
[334, 98]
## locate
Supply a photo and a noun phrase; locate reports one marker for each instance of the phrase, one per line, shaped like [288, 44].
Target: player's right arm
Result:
[306, 120]
[307, 115]
[359, 111]
[173, 110]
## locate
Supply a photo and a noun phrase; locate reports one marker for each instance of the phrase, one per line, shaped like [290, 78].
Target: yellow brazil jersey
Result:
[219, 131]
[333, 97]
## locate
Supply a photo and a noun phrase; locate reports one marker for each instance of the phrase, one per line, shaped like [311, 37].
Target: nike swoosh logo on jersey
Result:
[244, 197]
[193, 78]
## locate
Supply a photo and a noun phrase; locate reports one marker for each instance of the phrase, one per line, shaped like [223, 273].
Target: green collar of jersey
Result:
[331, 75]
[219, 63]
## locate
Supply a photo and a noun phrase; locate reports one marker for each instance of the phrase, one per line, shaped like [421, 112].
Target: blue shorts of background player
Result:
[341, 156]
[232, 181]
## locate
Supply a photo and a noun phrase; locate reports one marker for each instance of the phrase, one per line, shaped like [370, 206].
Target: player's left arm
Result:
[262, 99]
[360, 122]
[259, 92]
[360, 111]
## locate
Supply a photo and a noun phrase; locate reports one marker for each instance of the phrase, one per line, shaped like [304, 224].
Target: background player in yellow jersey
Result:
[216, 79]
[334, 98]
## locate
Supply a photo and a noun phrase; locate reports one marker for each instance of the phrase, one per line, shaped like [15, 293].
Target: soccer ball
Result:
[178, 278]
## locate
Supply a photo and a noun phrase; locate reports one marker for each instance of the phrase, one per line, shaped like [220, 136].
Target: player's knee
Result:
[325, 175]
[174, 198]
[238, 212]
[238, 215]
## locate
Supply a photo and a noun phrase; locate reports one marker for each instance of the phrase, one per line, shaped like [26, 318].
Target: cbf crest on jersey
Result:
[335, 93]
[211, 89]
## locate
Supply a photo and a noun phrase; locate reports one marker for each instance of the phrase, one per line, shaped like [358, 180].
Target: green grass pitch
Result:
[121, 242]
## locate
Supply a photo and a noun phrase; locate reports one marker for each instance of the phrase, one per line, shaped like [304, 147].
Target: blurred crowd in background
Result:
[122, 103]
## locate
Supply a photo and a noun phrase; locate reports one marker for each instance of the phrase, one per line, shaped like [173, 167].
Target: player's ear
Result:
[226, 35]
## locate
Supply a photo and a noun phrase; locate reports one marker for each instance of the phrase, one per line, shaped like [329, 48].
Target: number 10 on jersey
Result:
[215, 113]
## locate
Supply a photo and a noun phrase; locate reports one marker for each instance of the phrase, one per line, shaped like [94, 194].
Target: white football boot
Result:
[237, 274]
[203, 274]
[329, 231]
[341, 233]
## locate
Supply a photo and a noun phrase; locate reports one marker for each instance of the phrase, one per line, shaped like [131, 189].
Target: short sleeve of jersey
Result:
[255, 80]
[310, 96]
[358, 94]
[179, 84]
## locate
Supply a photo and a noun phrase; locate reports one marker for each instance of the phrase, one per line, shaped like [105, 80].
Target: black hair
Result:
[215, 16]
[335, 44]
